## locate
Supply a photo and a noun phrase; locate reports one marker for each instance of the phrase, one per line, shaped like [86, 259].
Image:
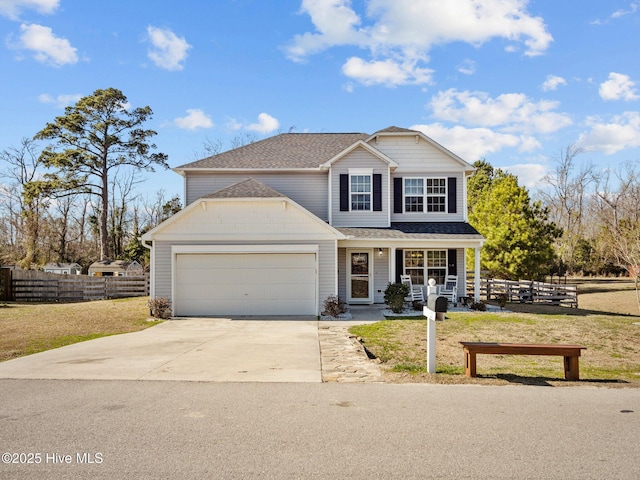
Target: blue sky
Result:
[511, 81]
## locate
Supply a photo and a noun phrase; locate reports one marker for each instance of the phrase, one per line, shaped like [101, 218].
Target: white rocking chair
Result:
[450, 289]
[415, 293]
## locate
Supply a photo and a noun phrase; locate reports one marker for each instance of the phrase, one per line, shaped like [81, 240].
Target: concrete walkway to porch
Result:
[342, 356]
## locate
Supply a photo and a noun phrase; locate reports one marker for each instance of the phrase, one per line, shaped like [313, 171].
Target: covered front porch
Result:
[369, 259]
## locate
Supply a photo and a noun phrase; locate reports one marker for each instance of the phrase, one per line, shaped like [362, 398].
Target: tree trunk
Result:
[31, 238]
[63, 229]
[637, 284]
[104, 214]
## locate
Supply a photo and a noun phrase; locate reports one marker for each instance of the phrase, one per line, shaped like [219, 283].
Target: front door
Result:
[359, 283]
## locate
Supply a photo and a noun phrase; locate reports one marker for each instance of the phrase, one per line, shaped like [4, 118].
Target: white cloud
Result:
[194, 120]
[512, 112]
[473, 144]
[348, 87]
[13, 8]
[336, 24]
[412, 24]
[406, 30]
[621, 133]
[48, 48]
[483, 125]
[467, 67]
[169, 51]
[633, 8]
[529, 174]
[552, 82]
[233, 124]
[266, 124]
[386, 72]
[618, 87]
[60, 101]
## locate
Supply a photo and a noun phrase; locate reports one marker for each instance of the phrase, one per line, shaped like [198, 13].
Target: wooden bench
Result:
[571, 354]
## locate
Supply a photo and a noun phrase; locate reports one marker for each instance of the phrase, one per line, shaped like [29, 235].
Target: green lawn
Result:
[33, 327]
[612, 356]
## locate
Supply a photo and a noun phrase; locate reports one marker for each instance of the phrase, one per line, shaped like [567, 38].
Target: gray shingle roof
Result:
[448, 228]
[249, 188]
[394, 129]
[418, 231]
[287, 150]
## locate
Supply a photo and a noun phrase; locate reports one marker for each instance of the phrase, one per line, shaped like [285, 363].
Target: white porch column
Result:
[476, 274]
[392, 264]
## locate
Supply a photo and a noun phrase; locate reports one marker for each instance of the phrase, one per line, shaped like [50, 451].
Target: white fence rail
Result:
[527, 291]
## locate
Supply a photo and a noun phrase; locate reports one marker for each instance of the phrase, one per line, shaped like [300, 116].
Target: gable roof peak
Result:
[394, 129]
[249, 188]
[397, 131]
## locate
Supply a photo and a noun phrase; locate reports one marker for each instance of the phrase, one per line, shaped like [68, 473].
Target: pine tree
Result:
[519, 235]
[96, 136]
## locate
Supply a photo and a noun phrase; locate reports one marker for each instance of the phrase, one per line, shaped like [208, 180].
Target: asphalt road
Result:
[147, 429]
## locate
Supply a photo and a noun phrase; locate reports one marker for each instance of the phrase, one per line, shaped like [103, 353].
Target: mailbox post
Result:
[434, 310]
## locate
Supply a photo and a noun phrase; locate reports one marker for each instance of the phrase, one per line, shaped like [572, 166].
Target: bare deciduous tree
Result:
[122, 196]
[566, 197]
[23, 165]
[616, 204]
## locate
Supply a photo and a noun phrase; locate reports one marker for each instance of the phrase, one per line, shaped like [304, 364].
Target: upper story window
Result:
[425, 194]
[360, 192]
[414, 195]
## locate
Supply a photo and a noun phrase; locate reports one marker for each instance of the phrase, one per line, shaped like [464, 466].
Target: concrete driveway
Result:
[202, 349]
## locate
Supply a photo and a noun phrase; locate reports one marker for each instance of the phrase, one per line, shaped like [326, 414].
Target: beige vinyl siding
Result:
[244, 220]
[412, 156]
[162, 270]
[359, 159]
[327, 274]
[307, 189]
[380, 274]
[427, 216]
[342, 274]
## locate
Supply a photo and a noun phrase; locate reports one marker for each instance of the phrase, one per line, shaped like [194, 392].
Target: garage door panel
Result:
[240, 260]
[262, 293]
[203, 308]
[245, 284]
[262, 282]
[292, 290]
[261, 277]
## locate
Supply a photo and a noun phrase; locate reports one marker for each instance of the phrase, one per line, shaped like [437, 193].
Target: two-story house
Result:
[276, 226]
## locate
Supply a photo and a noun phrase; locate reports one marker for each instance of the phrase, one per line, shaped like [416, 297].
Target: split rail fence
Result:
[36, 286]
[527, 291]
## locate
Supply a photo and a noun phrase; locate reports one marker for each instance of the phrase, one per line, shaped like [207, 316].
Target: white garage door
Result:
[245, 284]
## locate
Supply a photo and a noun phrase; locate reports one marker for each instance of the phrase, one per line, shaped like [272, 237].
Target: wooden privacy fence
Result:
[35, 286]
[5, 284]
[527, 291]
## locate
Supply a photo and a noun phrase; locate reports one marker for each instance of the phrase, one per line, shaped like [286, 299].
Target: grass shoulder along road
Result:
[28, 328]
[612, 357]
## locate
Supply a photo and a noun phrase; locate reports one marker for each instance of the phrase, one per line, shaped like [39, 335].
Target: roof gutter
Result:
[182, 171]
